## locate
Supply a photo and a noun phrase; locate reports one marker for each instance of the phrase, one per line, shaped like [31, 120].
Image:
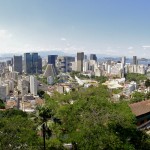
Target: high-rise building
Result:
[123, 60]
[33, 85]
[27, 63]
[63, 63]
[52, 59]
[80, 58]
[32, 63]
[135, 61]
[39, 64]
[17, 64]
[93, 57]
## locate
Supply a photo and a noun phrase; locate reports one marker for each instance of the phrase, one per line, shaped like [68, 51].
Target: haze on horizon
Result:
[111, 27]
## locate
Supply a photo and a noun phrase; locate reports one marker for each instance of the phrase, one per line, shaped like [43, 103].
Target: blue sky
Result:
[113, 27]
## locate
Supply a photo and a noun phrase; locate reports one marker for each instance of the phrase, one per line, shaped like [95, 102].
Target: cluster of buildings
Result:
[18, 76]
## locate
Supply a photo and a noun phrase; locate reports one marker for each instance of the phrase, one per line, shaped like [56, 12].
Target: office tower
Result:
[135, 62]
[39, 64]
[17, 64]
[52, 59]
[32, 63]
[63, 63]
[27, 63]
[123, 60]
[33, 85]
[80, 58]
[93, 57]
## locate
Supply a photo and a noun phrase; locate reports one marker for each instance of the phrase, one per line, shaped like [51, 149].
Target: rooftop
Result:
[140, 108]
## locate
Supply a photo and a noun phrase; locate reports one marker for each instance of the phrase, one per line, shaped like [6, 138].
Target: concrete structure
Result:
[33, 85]
[23, 86]
[129, 88]
[50, 71]
[64, 63]
[80, 58]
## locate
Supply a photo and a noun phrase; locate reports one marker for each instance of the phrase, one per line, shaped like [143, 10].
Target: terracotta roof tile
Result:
[140, 108]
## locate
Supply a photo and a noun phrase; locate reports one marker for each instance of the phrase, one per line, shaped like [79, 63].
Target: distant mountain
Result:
[41, 53]
[53, 52]
[44, 53]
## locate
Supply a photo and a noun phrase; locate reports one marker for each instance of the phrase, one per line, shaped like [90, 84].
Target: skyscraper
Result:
[80, 58]
[39, 64]
[17, 64]
[33, 85]
[27, 63]
[135, 61]
[123, 60]
[63, 63]
[93, 57]
[32, 63]
[52, 59]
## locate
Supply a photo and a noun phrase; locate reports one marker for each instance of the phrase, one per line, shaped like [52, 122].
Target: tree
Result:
[137, 97]
[2, 105]
[135, 77]
[17, 131]
[41, 93]
[47, 121]
[92, 121]
[147, 83]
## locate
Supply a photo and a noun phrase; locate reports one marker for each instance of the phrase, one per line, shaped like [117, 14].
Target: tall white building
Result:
[3, 92]
[33, 85]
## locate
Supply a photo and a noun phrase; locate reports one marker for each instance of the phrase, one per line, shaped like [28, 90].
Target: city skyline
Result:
[111, 27]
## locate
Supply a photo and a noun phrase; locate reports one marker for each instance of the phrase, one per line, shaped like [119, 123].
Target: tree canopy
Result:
[91, 121]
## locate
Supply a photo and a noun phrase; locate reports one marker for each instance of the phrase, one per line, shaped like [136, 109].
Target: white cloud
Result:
[4, 34]
[63, 39]
[146, 47]
[130, 47]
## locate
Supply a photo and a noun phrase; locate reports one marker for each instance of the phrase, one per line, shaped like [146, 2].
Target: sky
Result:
[111, 27]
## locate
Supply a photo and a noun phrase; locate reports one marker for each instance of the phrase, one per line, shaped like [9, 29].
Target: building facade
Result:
[52, 59]
[33, 85]
[17, 64]
[80, 58]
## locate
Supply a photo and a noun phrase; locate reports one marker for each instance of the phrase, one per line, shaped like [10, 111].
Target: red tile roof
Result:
[140, 108]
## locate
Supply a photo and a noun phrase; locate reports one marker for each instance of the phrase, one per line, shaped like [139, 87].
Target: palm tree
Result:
[45, 114]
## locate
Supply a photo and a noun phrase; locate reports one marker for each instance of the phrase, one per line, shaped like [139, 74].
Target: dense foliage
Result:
[89, 120]
[147, 83]
[17, 131]
[135, 77]
[2, 105]
[139, 96]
